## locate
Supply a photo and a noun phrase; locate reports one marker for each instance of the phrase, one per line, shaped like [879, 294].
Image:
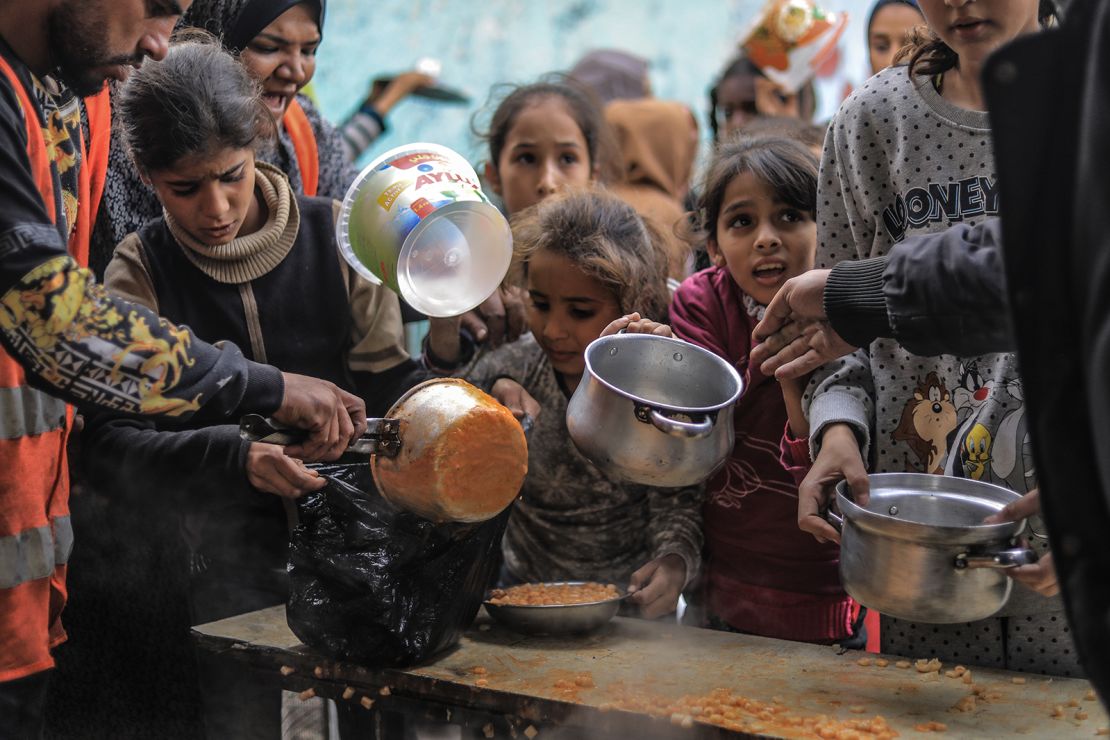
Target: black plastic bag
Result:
[379, 586]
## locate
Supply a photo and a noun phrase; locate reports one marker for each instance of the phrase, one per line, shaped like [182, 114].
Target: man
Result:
[1049, 98]
[64, 337]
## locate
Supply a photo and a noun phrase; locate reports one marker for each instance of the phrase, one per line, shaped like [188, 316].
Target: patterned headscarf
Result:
[236, 22]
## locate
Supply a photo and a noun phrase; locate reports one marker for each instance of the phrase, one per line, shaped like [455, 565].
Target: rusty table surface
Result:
[532, 680]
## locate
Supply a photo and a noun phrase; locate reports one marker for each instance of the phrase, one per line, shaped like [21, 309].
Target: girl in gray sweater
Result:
[910, 153]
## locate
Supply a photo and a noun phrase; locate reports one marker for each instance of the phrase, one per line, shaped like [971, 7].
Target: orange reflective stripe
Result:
[91, 177]
[304, 146]
[36, 147]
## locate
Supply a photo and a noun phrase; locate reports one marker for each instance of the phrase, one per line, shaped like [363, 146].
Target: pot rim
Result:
[917, 532]
[595, 346]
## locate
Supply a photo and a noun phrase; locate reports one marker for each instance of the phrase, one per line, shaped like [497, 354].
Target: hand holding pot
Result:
[839, 459]
[634, 324]
[270, 470]
[499, 319]
[512, 396]
[656, 586]
[1041, 575]
[332, 416]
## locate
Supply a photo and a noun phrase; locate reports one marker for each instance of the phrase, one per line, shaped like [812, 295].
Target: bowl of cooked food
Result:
[558, 608]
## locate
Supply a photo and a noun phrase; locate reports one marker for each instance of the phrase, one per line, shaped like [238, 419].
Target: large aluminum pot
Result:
[654, 410]
[920, 552]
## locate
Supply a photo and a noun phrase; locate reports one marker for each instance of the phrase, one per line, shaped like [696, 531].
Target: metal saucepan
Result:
[654, 410]
[919, 550]
[556, 619]
[446, 451]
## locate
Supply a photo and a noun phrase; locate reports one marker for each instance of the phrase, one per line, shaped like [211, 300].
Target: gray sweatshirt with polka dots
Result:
[899, 160]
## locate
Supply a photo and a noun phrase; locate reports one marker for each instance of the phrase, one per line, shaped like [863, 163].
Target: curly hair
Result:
[605, 238]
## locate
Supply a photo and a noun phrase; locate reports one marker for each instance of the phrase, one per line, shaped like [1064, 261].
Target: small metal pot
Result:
[556, 619]
[920, 552]
[654, 410]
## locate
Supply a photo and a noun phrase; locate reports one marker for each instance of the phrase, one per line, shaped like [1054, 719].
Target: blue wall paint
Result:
[492, 41]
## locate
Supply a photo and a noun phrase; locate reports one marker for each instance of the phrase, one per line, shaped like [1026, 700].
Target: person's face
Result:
[891, 29]
[567, 309]
[93, 41]
[736, 104]
[283, 56]
[762, 241]
[210, 196]
[975, 28]
[545, 153]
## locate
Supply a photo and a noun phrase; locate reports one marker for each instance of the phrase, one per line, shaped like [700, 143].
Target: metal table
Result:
[511, 685]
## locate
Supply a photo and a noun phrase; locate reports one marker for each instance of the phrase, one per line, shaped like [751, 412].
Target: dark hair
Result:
[810, 134]
[605, 238]
[930, 56]
[741, 66]
[785, 165]
[583, 108]
[196, 100]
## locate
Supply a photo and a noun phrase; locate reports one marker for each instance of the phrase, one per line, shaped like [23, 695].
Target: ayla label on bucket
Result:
[409, 161]
[444, 178]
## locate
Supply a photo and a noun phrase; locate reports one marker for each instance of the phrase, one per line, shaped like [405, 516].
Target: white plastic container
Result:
[417, 221]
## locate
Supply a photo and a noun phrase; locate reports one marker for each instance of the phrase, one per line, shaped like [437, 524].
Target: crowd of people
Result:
[168, 263]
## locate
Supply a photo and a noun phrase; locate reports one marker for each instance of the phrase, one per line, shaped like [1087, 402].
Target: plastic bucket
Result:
[416, 220]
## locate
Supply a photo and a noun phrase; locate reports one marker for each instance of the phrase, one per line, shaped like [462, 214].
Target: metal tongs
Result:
[382, 436]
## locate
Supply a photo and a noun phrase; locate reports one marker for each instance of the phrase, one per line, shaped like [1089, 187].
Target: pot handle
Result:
[998, 559]
[834, 519]
[676, 428]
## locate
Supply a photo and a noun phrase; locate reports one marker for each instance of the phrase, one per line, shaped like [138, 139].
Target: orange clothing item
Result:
[304, 145]
[659, 144]
[35, 532]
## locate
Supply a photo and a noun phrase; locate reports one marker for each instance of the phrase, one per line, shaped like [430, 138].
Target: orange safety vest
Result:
[304, 146]
[35, 532]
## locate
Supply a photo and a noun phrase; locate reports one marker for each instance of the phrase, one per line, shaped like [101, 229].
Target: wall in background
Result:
[484, 42]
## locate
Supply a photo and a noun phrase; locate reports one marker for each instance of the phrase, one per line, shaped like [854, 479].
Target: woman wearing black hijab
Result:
[277, 41]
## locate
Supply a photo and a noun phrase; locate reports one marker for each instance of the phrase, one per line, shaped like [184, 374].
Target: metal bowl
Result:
[556, 619]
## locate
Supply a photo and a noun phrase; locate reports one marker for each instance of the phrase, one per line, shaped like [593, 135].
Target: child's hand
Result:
[1041, 575]
[500, 318]
[270, 470]
[839, 459]
[655, 588]
[633, 324]
[512, 396]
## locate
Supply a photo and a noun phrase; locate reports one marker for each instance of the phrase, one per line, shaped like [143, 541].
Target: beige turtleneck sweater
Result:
[377, 334]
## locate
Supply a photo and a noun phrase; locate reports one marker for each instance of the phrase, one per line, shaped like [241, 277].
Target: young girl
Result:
[762, 574]
[586, 260]
[237, 255]
[910, 153]
[545, 138]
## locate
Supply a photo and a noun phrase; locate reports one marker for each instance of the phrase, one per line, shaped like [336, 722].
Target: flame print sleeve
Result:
[78, 341]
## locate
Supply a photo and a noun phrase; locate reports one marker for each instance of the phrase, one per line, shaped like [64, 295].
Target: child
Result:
[910, 153]
[586, 259]
[237, 255]
[890, 28]
[545, 138]
[743, 94]
[762, 575]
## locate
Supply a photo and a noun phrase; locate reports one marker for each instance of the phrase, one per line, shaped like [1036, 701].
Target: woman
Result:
[276, 40]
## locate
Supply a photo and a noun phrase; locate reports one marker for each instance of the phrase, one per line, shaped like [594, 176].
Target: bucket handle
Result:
[1010, 558]
[674, 427]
